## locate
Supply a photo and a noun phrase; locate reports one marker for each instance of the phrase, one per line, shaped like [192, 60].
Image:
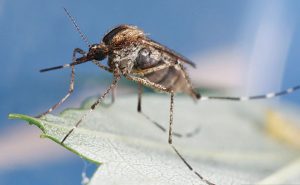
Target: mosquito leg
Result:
[153, 69]
[79, 51]
[147, 83]
[113, 95]
[161, 88]
[71, 86]
[96, 62]
[94, 105]
[71, 89]
[140, 91]
[254, 97]
[190, 167]
[173, 147]
[162, 128]
[108, 69]
[176, 134]
[171, 118]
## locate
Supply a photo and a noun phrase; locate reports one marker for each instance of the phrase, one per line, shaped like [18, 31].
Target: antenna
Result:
[84, 38]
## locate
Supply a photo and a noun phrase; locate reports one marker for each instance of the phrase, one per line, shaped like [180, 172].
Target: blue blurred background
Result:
[251, 46]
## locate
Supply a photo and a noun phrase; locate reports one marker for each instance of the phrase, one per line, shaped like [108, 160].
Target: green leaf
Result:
[231, 147]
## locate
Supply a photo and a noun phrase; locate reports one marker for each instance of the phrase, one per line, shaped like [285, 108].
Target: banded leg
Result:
[71, 86]
[190, 167]
[159, 87]
[255, 97]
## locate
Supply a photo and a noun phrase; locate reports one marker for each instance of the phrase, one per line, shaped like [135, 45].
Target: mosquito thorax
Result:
[122, 35]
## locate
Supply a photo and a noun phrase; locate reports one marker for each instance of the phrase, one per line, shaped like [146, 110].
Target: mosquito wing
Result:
[165, 49]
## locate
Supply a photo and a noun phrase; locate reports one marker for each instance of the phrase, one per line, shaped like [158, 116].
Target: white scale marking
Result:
[245, 98]
[203, 98]
[270, 95]
[289, 90]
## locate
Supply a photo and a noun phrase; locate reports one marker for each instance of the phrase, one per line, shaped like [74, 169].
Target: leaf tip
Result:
[14, 116]
[29, 119]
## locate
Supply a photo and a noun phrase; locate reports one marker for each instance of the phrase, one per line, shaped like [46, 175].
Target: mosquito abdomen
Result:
[173, 77]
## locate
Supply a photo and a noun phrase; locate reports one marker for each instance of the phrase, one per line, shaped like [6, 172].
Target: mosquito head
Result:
[97, 52]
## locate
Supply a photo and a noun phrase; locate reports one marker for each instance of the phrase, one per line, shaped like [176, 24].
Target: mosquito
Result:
[133, 55]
